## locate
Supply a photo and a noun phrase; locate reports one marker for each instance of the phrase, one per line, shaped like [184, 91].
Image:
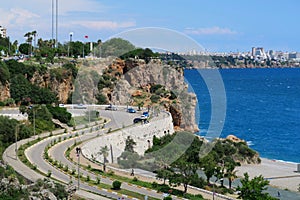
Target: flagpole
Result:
[86, 37]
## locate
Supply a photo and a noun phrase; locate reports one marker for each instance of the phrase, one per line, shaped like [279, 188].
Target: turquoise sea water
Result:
[263, 108]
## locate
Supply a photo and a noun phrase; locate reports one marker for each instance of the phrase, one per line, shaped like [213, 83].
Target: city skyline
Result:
[216, 25]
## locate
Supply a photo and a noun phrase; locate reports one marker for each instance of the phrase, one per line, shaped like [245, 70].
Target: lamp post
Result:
[16, 139]
[78, 151]
[69, 46]
[33, 122]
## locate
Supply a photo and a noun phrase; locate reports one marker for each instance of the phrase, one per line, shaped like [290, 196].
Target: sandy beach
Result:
[280, 174]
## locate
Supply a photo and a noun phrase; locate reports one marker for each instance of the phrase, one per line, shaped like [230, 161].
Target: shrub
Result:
[98, 180]
[135, 179]
[88, 178]
[154, 98]
[168, 198]
[49, 174]
[116, 185]
[110, 173]
[66, 168]
[34, 167]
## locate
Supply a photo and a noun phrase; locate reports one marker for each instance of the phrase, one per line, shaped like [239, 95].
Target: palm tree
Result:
[29, 41]
[104, 152]
[34, 34]
[231, 173]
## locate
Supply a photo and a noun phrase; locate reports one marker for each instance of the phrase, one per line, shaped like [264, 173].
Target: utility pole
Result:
[111, 154]
[52, 36]
[33, 122]
[78, 151]
[56, 37]
[16, 140]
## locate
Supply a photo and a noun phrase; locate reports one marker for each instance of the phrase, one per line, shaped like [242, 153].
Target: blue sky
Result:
[217, 25]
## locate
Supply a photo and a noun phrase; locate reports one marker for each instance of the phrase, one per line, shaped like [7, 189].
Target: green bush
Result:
[155, 98]
[49, 174]
[168, 198]
[116, 185]
[135, 179]
[60, 113]
[98, 180]
[4, 73]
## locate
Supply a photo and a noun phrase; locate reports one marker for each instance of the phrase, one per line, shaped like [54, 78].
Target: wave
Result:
[249, 143]
[282, 161]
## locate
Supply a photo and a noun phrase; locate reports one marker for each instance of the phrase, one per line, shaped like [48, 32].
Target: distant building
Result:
[259, 53]
[253, 51]
[294, 56]
[2, 32]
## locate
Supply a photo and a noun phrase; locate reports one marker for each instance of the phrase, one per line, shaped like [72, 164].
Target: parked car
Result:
[131, 110]
[146, 114]
[111, 107]
[80, 106]
[137, 120]
[143, 117]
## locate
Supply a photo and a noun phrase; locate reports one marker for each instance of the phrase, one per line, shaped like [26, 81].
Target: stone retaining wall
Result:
[142, 134]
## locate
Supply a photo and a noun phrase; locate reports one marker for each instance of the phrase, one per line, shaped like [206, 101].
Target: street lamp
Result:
[71, 35]
[33, 123]
[16, 139]
[78, 151]
[33, 111]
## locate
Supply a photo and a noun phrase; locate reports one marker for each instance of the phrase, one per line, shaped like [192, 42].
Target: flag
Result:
[86, 36]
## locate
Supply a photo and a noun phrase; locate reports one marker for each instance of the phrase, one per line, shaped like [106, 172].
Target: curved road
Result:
[35, 154]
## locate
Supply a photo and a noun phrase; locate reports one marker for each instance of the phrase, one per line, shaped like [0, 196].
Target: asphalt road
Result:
[119, 119]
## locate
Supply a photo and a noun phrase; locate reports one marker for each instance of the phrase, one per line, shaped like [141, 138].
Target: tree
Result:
[187, 165]
[116, 185]
[104, 152]
[29, 41]
[20, 88]
[116, 47]
[209, 165]
[4, 73]
[129, 144]
[24, 48]
[164, 174]
[34, 34]
[186, 172]
[230, 173]
[254, 188]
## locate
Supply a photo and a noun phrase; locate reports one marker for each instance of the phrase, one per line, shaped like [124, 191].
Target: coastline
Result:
[281, 174]
[244, 67]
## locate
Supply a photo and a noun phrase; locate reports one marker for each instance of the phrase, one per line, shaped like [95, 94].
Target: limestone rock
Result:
[235, 139]
[4, 91]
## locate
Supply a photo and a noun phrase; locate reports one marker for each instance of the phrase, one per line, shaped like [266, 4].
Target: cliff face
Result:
[137, 80]
[4, 91]
[62, 87]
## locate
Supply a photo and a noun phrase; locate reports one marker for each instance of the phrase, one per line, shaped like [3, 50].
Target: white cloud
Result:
[100, 25]
[210, 31]
[17, 18]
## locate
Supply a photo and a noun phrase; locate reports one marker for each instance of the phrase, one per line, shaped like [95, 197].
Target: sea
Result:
[262, 108]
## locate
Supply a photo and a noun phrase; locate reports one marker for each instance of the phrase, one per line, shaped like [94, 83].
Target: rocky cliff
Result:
[154, 85]
[4, 91]
[63, 86]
